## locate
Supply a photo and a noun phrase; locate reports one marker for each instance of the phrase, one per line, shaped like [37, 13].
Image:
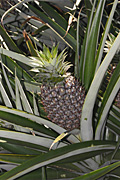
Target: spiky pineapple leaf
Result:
[4, 95]
[86, 120]
[27, 120]
[20, 149]
[113, 122]
[15, 158]
[25, 102]
[51, 66]
[11, 65]
[12, 46]
[91, 44]
[104, 36]
[53, 14]
[17, 56]
[109, 95]
[28, 140]
[31, 121]
[7, 81]
[100, 172]
[69, 40]
[71, 153]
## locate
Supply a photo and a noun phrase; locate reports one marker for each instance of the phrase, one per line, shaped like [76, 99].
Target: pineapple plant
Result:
[61, 94]
[33, 135]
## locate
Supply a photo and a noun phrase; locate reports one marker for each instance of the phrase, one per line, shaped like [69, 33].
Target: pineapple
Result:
[61, 94]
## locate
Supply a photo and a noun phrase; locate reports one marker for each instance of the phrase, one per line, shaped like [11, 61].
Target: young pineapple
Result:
[61, 94]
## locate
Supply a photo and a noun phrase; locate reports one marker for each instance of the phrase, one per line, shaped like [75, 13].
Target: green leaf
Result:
[36, 111]
[109, 96]
[44, 173]
[91, 47]
[88, 5]
[84, 46]
[12, 46]
[28, 120]
[53, 172]
[87, 112]
[58, 18]
[15, 158]
[4, 95]
[104, 36]
[68, 39]
[28, 140]
[7, 81]
[99, 173]
[12, 65]
[17, 56]
[24, 99]
[31, 121]
[71, 153]
[76, 68]
[113, 119]
[19, 148]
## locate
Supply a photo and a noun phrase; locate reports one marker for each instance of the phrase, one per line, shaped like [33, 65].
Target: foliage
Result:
[26, 135]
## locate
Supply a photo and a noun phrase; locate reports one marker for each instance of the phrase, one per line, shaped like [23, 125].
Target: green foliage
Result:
[26, 134]
[51, 66]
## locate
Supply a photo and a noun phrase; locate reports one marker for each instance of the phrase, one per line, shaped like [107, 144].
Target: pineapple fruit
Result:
[61, 94]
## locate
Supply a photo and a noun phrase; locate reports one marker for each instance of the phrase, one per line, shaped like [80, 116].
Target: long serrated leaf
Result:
[87, 112]
[24, 99]
[15, 158]
[17, 100]
[36, 111]
[54, 172]
[33, 87]
[99, 173]
[104, 36]
[69, 40]
[26, 120]
[12, 65]
[27, 140]
[12, 46]
[57, 17]
[114, 119]
[85, 44]
[76, 68]
[92, 42]
[29, 120]
[88, 5]
[5, 96]
[75, 152]
[7, 81]
[17, 56]
[19, 149]
[109, 95]
[113, 127]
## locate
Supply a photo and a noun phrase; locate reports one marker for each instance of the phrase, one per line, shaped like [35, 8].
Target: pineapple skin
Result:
[63, 102]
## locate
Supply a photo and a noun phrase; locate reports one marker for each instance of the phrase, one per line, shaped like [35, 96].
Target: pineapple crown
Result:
[51, 66]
